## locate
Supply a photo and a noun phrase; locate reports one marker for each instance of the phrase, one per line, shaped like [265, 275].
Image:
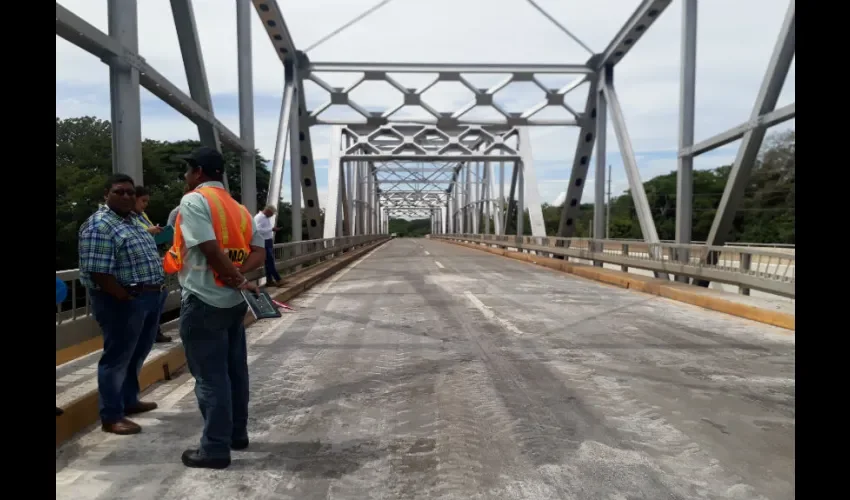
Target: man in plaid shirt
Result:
[120, 266]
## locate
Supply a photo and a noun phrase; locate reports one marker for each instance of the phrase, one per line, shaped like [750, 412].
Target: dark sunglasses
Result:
[123, 192]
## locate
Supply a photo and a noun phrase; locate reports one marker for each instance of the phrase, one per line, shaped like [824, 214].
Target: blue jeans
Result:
[129, 330]
[271, 272]
[217, 355]
[161, 309]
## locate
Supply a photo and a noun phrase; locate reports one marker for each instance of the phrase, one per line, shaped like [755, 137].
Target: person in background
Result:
[172, 216]
[122, 269]
[143, 198]
[212, 250]
[61, 293]
[263, 220]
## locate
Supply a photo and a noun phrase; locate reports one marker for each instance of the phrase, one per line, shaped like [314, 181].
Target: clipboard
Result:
[165, 236]
[261, 305]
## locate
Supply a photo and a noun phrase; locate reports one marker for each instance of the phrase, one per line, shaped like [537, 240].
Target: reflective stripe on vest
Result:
[223, 208]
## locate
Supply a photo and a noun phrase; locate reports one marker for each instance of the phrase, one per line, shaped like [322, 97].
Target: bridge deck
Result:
[429, 370]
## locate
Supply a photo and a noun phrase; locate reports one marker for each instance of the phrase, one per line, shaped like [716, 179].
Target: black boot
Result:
[191, 458]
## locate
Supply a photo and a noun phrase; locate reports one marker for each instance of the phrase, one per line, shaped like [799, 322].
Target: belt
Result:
[145, 287]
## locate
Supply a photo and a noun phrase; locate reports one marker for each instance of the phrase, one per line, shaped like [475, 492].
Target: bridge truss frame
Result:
[463, 150]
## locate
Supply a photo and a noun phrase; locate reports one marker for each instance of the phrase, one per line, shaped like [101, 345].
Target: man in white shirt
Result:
[266, 230]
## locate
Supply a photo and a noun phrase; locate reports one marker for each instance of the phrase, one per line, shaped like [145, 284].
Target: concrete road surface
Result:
[428, 370]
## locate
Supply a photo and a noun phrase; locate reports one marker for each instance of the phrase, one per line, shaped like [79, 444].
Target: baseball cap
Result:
[207, 159]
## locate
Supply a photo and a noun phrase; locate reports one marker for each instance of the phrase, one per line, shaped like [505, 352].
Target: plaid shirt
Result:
[109, 244]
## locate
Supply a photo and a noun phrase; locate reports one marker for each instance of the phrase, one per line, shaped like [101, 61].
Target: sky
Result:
[734, 43]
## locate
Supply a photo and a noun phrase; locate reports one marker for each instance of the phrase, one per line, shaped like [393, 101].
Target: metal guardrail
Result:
[74, 323]
[788, 246]
[746, 267]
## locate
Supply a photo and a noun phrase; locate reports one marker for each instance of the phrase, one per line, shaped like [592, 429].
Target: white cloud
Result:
[735, 40]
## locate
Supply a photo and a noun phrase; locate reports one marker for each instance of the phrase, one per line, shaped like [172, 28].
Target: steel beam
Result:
[766, 120]
[644, 213]
[635, 27]
[512, 208]
[531, 193]
[278, 161]
[124, 92]
[428, 157]
[334, 188]
[498, 205]
[578, 174]
[272, 19]
[85, 36]
[247, 160]
[771, 87]
[368, 67]
[295, 165]
[193, 62]
[687, 100]
[599, 221]
[307, 168]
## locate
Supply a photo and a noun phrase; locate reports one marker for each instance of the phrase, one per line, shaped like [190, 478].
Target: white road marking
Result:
[489, 314]
[439, 265]
[427, 252]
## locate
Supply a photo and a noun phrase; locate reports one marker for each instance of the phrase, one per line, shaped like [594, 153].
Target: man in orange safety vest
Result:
[215, 243]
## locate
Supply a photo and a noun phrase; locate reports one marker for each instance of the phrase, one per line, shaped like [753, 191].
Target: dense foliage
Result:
[765, 216]
[83, 162]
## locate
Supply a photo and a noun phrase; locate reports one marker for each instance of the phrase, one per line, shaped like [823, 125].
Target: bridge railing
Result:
[770, 271]
[74, 323]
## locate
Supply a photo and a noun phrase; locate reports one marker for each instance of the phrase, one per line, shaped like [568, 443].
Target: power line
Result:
[347, 25]
[559, 25]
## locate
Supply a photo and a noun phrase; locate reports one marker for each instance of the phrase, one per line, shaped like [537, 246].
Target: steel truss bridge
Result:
[449, 166]
[427, 368]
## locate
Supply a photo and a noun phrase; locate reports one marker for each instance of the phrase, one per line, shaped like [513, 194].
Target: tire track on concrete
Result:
[411, 399]
[639, 423]
[475, 446]
[680, 464]
[552, 425]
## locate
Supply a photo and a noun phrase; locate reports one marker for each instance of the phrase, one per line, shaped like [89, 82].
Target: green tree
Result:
[84, 161]
[766, 214]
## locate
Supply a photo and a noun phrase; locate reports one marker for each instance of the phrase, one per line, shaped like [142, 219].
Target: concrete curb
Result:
[83, 411]
[671, 290]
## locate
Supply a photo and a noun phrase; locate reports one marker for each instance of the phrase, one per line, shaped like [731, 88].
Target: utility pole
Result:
[608, 207]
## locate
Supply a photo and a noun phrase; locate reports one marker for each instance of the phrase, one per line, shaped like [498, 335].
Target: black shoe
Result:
[60, 411]
[239, 444]
[191, 458]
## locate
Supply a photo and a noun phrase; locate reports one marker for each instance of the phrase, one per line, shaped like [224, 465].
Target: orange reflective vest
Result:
[231, 223]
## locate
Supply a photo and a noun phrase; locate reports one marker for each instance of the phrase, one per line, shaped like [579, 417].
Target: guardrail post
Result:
[597, 247]
[625, 268]
[746, 262]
